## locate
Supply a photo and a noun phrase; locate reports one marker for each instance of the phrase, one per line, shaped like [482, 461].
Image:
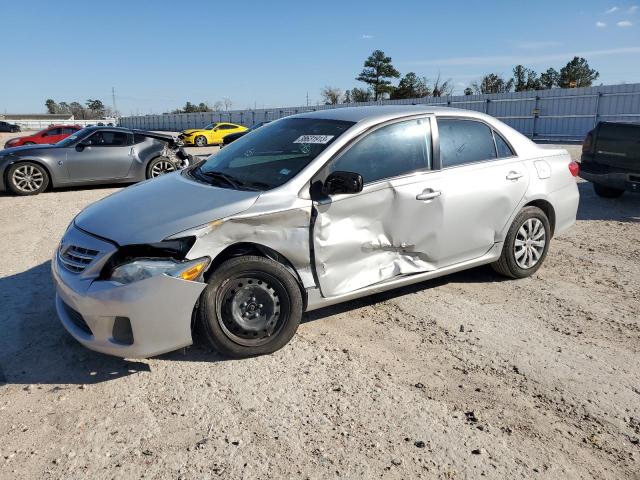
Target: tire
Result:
[607, 192]
[200, 141]
[27, 178]
[159, 166]
[28, 143]
[526, 227]
[238, 290]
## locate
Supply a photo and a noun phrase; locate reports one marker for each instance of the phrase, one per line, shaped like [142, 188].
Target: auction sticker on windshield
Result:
[321, 139]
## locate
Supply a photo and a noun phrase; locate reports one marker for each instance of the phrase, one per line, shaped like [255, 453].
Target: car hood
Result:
[191, 131]
[153, 210]
[26, 149]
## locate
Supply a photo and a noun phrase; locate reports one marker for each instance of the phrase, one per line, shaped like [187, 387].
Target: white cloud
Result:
[612, 10]
[624, 24]
[633, 9]
[366, 36]
[601, 24]
[535, 45]
[523, 59]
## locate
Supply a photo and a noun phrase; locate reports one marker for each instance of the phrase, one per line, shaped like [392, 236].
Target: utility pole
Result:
[307, 99]
[113, 98]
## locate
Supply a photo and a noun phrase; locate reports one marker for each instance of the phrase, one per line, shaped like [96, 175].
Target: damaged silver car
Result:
[308, 211]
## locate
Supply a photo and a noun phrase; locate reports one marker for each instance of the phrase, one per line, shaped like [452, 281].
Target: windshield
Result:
[271, 155]
[211, 126]
[74, 138]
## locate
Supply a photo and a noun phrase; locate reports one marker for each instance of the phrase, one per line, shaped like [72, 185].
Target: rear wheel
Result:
[27, 178]
[251, 306]
[200, 141]
[526, 245]
[160, 166]
[28, 143]
[607, 192]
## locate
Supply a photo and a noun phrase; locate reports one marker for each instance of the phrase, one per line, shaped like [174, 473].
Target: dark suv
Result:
[611, 158]
[8, 127]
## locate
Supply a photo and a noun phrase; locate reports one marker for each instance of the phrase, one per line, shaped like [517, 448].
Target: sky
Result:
[160, 54]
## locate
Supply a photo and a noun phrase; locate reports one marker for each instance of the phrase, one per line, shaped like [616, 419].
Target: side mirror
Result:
[80, 147]
[343, 182]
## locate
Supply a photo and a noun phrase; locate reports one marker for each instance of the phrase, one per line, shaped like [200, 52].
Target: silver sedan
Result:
[95, 155]
[308, 211]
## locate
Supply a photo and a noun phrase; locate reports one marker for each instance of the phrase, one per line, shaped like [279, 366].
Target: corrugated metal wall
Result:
[557, 114]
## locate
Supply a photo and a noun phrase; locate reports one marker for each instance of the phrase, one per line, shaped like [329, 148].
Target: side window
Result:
[138, 138]
[464, 141]
[388, 152]
[53, 132]
[226, 127]
[504, 150]
[69, 131]
[108, 139]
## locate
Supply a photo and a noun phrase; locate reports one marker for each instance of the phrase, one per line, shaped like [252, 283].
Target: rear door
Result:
[481, 182]
[51, 136]
[107, 155]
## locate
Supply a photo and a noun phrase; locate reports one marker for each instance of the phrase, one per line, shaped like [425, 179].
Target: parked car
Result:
[232, 137]
[311, 210]
[9, 127]
[95, 155]
[212, 134]
[611, 158]
[50, 135]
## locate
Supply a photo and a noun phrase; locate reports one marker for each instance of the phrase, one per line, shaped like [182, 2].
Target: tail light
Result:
[574, 168]
[587, 143]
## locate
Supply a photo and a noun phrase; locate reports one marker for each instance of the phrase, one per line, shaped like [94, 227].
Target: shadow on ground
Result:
[622, 209]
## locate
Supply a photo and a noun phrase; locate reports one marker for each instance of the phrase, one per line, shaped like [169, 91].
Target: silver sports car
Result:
[91, 156]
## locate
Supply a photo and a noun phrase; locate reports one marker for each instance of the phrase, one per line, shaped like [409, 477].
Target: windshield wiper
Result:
[221, 176]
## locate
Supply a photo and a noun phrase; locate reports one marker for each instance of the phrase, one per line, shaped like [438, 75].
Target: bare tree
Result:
[227, 103]
[218, 106]
[442, 88]
[331, 95]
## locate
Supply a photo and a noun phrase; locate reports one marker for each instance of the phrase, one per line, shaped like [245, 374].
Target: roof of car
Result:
[380, 112]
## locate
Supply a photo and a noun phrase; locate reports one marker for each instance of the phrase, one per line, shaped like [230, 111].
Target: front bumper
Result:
[158, 309]
[186, 140]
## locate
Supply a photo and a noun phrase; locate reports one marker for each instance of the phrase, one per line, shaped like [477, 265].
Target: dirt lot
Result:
[465, 376]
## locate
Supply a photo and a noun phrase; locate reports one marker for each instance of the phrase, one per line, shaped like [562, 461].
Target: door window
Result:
[503, 148]
[69, 130]
[53, 132]
[226, 127]
[464, 141]
[108, 139]
[390, 151]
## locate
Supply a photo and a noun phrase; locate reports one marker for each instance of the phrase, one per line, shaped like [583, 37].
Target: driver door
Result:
[105, 155]
[392, 226]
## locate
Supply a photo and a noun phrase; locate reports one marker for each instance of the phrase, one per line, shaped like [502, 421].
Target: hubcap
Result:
[28, 178]
[200, 141]
[530, 242]
[252, 308]
[161, 168]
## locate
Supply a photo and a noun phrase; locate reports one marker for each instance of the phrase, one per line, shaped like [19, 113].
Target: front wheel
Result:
[251, 306]
[200, 141]
[27, 178]
[526, 245]
[607, 192]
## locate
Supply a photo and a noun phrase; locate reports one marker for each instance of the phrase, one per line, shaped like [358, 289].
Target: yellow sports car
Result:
[212, 134]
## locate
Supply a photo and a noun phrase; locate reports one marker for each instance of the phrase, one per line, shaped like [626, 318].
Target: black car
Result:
[611, 158]
[9, 127]
[227, 139]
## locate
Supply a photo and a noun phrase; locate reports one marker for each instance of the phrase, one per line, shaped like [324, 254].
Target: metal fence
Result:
[555, 115]
[41, 124]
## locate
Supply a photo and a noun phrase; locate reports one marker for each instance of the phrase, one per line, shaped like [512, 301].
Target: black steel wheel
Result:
[251, 306]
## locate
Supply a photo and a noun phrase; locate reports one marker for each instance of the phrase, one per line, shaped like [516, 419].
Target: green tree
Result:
[347, 97]
[411, 86]
[468, 91]
[550, 78]
[96, 107]
[63, 107]
[77, 110]
[361, 94]
[577, 73]
[203, 107]
[493, 83]
[525, 79]
[376, 72]
[52, 106]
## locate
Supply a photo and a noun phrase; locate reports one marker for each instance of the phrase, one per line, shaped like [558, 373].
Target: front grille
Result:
[76, 259]
[77, 319]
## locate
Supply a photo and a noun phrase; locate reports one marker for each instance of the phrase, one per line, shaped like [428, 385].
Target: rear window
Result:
[464, 141]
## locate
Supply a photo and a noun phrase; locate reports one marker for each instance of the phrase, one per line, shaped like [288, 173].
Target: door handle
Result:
[428, 194]
[513, 175]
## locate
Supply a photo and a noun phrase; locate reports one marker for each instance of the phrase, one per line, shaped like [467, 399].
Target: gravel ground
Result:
[464, 376]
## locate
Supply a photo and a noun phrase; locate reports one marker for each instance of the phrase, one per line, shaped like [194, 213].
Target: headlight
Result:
[140, 269]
